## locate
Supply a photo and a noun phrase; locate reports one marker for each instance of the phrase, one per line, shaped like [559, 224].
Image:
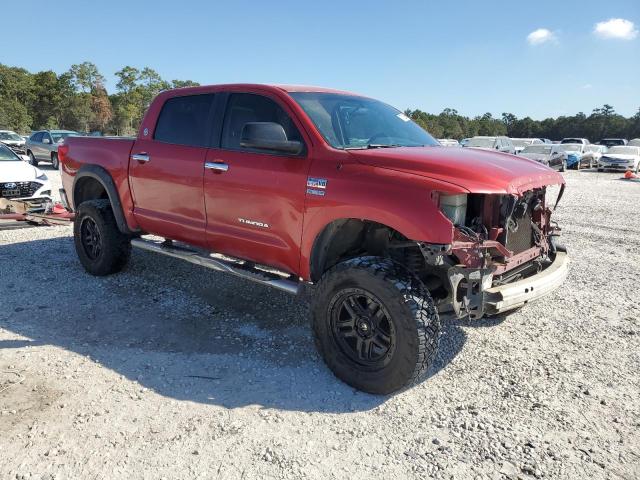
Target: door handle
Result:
[140, 157]
[217, 166]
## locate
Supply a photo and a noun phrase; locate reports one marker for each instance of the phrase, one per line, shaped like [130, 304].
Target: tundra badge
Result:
[253, 223]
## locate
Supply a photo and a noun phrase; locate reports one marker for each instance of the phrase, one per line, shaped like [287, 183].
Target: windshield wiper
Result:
[374, 145]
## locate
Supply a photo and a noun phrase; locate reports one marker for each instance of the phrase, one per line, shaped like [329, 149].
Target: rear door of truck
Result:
[166, 170]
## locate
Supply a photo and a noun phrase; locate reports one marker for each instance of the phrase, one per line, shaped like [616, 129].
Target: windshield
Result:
[347, 121]
[6, 155]
[10, 136]
[59, 136]
[624, 150]
[481, 142]
[546, 149]
[593, 148]
[570, 147]
[571, 140]
[612, 141]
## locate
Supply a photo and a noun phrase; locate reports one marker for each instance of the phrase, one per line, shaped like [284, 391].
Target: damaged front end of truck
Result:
[505, 252]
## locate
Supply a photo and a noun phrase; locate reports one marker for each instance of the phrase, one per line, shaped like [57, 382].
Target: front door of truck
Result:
[165, 172]
[255, 198]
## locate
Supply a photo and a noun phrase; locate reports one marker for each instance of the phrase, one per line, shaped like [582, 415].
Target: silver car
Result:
[42, 146]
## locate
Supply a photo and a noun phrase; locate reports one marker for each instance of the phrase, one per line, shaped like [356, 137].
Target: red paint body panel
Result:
[167, 190]
[478, 171]
[110, 153]
[177, 198]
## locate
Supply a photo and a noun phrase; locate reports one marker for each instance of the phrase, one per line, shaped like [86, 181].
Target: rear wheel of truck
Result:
[375, 324]
[101, 247]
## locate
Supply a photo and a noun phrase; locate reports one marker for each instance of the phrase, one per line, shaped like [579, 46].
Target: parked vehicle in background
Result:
[15, 142]
[519, 144]
[502, 144]
[582, 141]
[548, 155]
[299, 185]
[21, 181]
[464, 141]
[575, 157]
[545, 140]
[448, 142]
[621, 157]
[593, 152]
[634, 143]
[42, 146]
[612, 142]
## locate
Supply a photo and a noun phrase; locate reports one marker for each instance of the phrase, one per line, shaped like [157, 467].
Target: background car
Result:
[634, 143]
[621, 157]
[14, 141]
[448, 142]
[610, 142]
[593, 152]
[21, 181]
[574, 155]
[464, 141]
[42, 146]
[519, 144]
[548, 155]
[502, 144]
[582, 141]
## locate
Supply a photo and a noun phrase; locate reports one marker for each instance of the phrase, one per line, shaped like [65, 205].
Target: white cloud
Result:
[540, 36]
[587, 86]
[616, 28]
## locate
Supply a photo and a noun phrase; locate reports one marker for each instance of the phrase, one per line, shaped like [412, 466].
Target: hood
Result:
[478, 171]
[17, 171]
[14, 142]
[536, 156]
[618, 156]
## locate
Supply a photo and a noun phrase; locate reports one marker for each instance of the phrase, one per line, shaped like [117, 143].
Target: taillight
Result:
[62, 152]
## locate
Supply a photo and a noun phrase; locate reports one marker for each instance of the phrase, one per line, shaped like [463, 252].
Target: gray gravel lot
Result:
[170, 371]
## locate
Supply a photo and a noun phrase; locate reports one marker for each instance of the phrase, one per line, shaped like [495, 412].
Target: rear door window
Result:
[185, 120]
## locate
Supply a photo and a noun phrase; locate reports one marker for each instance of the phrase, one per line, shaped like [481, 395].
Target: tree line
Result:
[600, 123]
[78, 100]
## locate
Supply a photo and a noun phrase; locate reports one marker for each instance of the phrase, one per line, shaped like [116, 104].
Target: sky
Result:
[538, 58]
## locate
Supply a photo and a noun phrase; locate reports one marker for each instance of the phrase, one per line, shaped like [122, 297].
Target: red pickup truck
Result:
[294, 186]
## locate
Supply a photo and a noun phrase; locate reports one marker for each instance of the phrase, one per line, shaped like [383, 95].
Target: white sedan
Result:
[21, 181]
[620, 158]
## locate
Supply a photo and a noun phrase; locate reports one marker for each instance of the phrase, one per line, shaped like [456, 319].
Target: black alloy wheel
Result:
[362, 327]
[90, 238]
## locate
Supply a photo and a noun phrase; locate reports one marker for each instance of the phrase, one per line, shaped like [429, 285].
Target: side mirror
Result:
[46, 140]
[268, 136]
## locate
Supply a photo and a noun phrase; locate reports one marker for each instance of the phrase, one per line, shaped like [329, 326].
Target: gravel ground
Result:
[171, 371]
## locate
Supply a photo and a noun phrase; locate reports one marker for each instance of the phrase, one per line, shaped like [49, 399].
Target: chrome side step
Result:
[220, 263]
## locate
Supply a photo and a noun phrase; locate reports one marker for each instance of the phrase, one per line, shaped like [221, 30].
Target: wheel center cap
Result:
[364, 327]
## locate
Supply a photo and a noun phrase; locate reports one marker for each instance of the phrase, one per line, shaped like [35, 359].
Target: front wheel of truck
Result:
[101, 247]
[375, 324]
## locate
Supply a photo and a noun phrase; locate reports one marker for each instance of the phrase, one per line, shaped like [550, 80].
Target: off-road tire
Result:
[32, 159]
[55, 163]
[411, 310]
[115, 247]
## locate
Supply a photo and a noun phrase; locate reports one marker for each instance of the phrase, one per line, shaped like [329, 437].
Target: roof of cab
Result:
[284, 88]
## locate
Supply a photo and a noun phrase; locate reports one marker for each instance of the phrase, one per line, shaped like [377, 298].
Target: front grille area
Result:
[519, 236]
[24, 189]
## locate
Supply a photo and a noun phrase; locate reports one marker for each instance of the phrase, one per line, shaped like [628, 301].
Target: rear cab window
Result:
[185, 121]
